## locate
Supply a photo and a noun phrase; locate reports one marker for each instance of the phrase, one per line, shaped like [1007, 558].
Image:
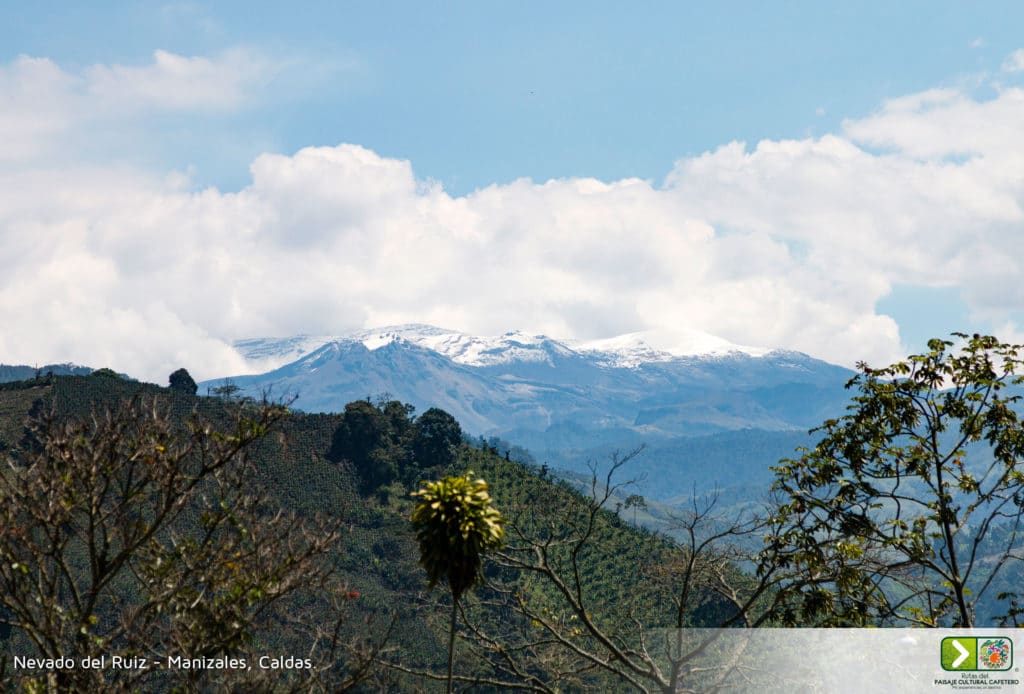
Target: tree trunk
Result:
[451, 641]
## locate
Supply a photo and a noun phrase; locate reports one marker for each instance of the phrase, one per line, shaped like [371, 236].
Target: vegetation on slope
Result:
[219, 527]
[344, 481]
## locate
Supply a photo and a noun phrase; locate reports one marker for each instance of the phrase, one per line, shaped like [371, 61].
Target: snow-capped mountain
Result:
[658, 385]
[630, 350]
[566, 401]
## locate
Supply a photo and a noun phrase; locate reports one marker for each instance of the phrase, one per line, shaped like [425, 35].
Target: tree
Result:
[134, 534]
[435, 439]
[363, 438]
[400, 419]
[182, 381]
[909, 508]
[455, 526]
[635, 501]
[227, 390]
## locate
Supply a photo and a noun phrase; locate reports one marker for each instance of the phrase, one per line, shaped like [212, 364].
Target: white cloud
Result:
[943, 123]
[139, 274]
[46, 110]
[35, 104]
[1014, 62]
[178, 82]
[786, 243]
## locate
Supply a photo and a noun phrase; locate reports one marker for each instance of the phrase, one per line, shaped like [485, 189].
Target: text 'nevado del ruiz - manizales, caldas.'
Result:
[171, 662]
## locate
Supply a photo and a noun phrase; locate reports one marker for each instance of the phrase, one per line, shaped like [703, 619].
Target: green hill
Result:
[354, 471]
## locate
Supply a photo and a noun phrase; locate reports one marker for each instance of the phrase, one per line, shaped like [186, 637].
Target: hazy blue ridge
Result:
[10, 372]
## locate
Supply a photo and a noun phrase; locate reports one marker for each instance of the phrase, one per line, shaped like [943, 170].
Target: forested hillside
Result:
[368, 619]
[220, 543]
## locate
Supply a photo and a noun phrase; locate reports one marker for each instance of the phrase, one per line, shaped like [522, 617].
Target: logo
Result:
[984, 653]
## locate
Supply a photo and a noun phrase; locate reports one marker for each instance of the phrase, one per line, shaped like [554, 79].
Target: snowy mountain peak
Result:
[468, 350]
[629, 350]
[633, 349]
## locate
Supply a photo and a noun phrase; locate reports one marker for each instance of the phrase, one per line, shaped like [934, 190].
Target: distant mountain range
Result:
[20, 372]
[568, 401]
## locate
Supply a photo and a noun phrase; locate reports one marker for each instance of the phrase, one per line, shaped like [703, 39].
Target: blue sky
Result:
[180, 108]
[475, 94]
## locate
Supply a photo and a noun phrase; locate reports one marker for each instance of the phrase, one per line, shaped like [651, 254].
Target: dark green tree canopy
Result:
[400, 418]
[384, 443]
[363, 439]
[182, 382]
[437, 437]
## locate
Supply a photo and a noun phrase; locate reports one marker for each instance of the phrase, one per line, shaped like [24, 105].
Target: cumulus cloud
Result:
[782, 243]
[48, 110]
[944, 123]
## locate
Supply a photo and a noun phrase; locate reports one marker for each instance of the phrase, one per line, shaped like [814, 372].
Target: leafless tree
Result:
[134, 535]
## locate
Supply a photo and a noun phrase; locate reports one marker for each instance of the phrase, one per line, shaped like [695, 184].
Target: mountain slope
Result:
[571, 403]
[376, 556]
[517, 383]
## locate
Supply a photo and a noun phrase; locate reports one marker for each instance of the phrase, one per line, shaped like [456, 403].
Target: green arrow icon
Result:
[964, 653]
[959, 653]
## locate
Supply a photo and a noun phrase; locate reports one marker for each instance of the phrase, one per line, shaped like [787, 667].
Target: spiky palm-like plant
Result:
[455, 526]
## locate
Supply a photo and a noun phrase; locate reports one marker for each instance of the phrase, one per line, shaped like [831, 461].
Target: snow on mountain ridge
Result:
[629, 350]
[633, 349]
[469, 350]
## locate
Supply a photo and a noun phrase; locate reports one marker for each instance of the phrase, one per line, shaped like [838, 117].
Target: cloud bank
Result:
[50, 114]
[782, 243]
